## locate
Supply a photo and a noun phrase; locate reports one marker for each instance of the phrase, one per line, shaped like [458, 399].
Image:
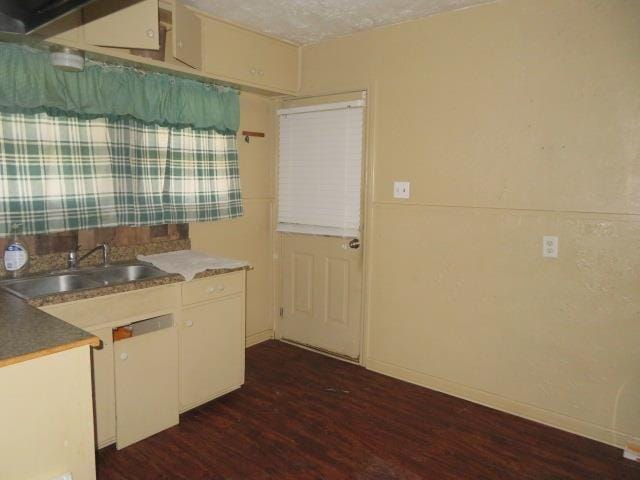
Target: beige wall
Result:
[511, 120]
[250, 237]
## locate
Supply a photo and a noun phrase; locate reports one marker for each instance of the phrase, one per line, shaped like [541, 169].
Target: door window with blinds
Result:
[320, 169]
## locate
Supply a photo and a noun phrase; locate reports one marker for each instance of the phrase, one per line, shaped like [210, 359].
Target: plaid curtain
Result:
[66, 173]
[138, 154]
[202, 180]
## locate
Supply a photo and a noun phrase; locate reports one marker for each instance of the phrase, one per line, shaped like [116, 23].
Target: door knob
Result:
[189, 323]
[355, 243]
[124, 356]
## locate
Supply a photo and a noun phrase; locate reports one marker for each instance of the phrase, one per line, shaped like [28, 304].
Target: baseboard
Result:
[326, 353]
[106, 443]
[212, 397]
[546, 417]
[259, 337]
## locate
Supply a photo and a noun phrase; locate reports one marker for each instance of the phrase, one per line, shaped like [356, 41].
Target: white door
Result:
[319, 205]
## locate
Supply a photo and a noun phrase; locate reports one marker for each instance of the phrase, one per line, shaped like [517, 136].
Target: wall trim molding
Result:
[259, 337]
[513, 407]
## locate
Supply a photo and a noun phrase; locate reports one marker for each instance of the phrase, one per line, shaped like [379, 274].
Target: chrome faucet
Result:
[72, 257]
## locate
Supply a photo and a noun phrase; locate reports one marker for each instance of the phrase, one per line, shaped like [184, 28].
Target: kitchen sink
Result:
[39, 286]
[124, 273]
[79, 279]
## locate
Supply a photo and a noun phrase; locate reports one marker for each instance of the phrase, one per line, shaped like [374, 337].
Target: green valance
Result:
[29, 83]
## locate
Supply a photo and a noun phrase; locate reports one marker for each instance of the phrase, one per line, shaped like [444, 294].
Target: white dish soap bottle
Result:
[16, 256]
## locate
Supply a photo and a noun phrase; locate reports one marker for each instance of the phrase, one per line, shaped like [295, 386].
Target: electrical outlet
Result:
[550, 246]
[401, 189]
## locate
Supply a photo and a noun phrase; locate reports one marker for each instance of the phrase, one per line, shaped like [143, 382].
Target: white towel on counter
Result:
[189, 263]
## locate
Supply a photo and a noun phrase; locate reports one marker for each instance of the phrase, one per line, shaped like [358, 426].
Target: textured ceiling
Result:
[311, 21]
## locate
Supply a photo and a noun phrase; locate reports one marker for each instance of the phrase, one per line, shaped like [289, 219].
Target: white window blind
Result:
[320, 169]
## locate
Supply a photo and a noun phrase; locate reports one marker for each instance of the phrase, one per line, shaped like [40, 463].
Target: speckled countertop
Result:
[27, 332]
[124, 287]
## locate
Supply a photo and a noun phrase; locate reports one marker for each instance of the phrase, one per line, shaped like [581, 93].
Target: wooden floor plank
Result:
[303, 416]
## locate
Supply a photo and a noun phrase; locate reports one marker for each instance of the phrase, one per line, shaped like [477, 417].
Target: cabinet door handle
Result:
[180, 44]
[150, 33]
[253, 71]
[211, 290]
[221, 288]
[189, 323]
[124, 356]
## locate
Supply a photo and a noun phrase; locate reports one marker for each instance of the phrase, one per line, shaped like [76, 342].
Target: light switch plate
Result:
[401, 190]
[550, 246]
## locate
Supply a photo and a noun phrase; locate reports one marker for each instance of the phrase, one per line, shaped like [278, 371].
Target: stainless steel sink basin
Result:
[79, 279]
[124, 273]
[39, 286]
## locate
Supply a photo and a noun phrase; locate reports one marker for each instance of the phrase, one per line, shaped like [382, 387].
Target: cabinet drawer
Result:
[204, 289]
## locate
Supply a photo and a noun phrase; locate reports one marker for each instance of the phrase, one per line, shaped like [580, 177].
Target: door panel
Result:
[336, 290]
[322, 286]
[302, 284]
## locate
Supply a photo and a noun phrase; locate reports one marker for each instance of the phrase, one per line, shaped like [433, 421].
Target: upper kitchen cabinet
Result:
[239, 55]
[122, 23]
[187, 36]
[196, 44]
[66, 30]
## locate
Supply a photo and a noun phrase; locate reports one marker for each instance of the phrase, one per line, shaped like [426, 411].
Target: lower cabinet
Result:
[146, 380]
[186, 347]
[211, 350]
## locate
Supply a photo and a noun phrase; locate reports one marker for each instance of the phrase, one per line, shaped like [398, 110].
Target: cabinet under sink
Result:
[146, 379]
[183, 346]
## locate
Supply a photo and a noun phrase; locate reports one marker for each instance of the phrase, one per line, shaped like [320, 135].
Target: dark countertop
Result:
[27, 332]
[125, 287]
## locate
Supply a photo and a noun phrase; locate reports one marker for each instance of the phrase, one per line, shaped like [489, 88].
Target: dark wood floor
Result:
[305, 416]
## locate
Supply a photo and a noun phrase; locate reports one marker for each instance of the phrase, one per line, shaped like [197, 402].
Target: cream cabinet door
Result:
[122, 23]
[187, 36]
[277, 64]
[103, 388]
[237, 54]
[220, 59]
[146, 379]
[211, 350]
